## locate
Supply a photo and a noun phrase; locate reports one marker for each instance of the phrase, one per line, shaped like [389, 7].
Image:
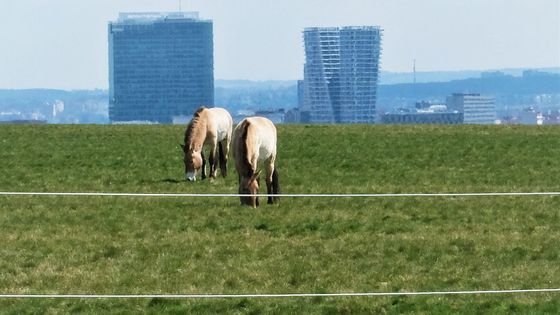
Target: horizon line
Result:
[555, 68]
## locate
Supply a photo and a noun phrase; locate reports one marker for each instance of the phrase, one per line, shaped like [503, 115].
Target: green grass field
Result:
[132, 245]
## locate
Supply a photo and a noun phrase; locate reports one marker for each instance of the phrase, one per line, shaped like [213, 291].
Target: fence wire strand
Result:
[373, 195]
[287, 295]
[281, 295]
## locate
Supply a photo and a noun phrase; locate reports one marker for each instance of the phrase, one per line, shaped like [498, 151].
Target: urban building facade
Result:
[341, 74]
[424, 112]
[161, 66]
[476, 108]
[443, 118]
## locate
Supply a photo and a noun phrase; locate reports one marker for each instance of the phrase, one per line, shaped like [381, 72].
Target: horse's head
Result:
[193, 163]
[249, 186]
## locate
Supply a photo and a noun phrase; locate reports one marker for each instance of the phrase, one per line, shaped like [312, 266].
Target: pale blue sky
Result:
[63, 43]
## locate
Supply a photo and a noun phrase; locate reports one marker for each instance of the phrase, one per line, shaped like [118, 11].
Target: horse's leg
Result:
[213, 159]
[223, 157]
[275, 186]
[203, 176]
[269, 168]
[225, 147]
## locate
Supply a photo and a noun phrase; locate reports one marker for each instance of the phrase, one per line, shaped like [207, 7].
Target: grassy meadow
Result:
[171, 245]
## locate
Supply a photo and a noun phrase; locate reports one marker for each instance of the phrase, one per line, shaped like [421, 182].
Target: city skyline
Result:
[63, 43]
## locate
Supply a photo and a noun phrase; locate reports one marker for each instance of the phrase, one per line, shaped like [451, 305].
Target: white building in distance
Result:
[476, 108]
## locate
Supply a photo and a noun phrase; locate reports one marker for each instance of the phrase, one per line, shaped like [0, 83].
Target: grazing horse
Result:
[210, 126]
[254, 140]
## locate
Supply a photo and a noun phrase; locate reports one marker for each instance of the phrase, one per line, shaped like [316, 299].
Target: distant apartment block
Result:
[476, 108]
[161, 66]
[415, 118]
[424, 113]
[341, 74]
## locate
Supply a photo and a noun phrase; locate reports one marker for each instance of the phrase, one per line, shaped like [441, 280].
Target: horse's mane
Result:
[245, 163]
[194, 129]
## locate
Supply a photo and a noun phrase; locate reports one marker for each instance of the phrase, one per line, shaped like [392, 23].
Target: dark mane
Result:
[189, 130]
[192, 128]
[244, 152]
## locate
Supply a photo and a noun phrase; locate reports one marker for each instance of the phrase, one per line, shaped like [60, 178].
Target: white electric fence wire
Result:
[114, 194]
[223, 296]
[286, 295]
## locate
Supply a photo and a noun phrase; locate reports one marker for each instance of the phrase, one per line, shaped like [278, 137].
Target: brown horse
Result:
[210, 126]
[254, 140]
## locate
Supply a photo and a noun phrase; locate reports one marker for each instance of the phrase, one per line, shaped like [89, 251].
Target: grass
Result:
[125, 245]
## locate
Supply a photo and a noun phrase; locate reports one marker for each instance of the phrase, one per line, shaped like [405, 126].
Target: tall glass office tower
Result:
[161, 65]
[340, 74]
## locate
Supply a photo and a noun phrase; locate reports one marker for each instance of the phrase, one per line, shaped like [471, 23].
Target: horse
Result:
[211, 127]
[254, 140]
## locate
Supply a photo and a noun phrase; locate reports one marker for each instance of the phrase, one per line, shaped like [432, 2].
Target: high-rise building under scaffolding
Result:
[340, 74]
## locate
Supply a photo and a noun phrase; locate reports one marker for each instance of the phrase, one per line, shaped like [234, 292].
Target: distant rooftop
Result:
[146, 17]
[337, 28]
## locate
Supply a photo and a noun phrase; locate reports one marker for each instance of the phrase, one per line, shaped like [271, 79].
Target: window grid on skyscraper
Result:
[341, 73]
[160, 66]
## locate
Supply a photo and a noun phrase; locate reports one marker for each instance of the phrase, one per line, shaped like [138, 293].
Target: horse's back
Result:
[221, 121]
[264, 129]
[262, 134]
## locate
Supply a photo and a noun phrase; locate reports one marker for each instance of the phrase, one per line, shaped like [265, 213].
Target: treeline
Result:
[55, 106]
[238, 95]
[256, 97]
[34, 99]
[531, 83]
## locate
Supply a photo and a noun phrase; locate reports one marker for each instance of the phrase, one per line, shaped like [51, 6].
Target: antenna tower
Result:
[414, 70]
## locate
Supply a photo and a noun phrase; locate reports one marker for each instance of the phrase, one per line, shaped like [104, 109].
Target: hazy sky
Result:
[63, 43]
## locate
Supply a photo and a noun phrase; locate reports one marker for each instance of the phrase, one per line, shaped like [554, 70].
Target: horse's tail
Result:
[275, 184]
[223, 158]
[243, 154]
